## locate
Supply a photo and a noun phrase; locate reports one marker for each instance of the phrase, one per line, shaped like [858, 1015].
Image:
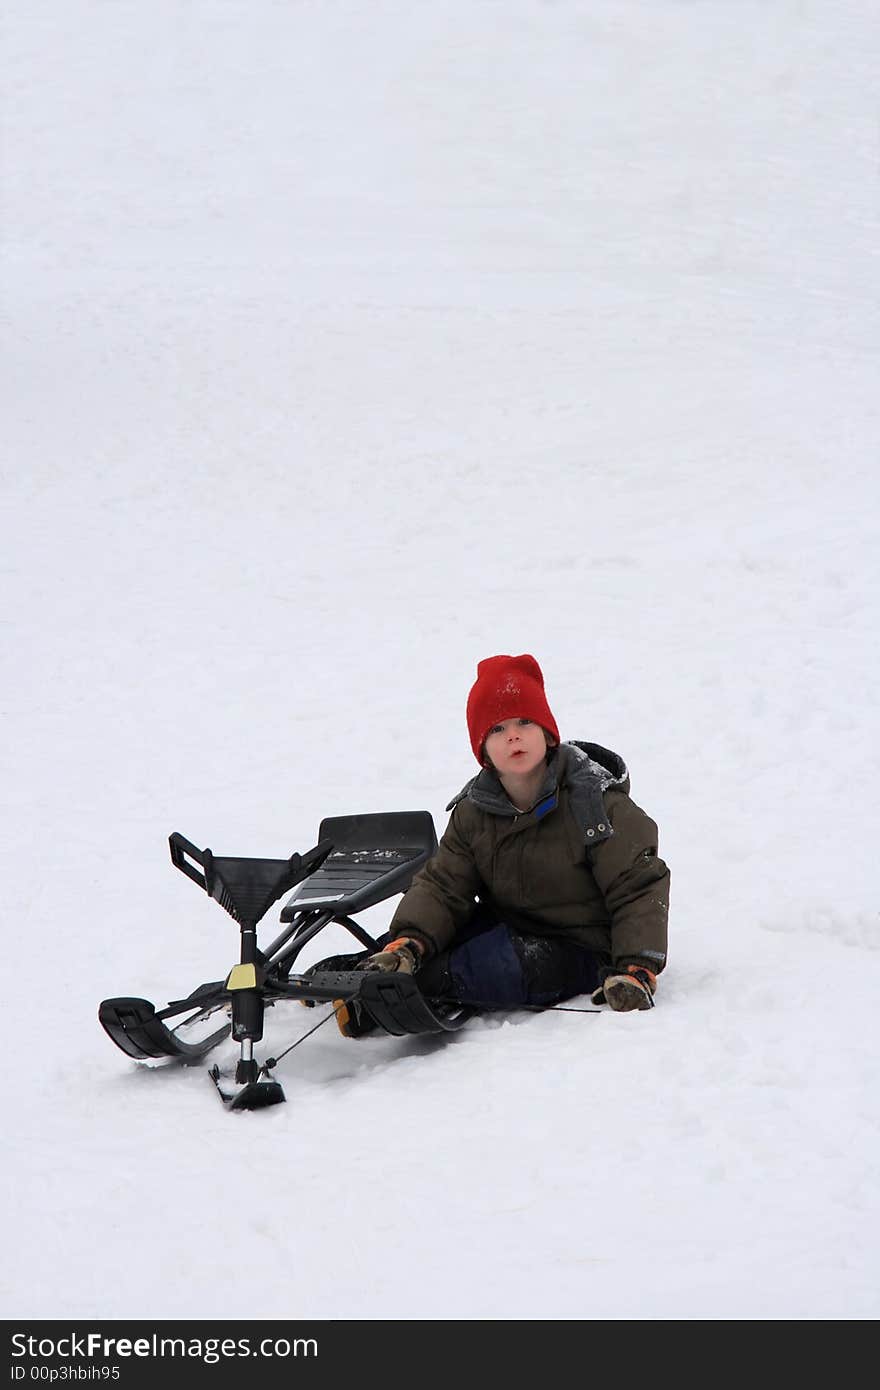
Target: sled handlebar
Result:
[183, 852]
[246, 887]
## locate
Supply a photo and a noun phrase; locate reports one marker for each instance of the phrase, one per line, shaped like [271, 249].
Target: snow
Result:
[346, 345]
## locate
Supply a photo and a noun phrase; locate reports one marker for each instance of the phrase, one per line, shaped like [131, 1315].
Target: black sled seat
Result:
[374, 856]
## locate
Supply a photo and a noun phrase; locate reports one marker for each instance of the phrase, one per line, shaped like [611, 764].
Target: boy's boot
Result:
[352, 1019]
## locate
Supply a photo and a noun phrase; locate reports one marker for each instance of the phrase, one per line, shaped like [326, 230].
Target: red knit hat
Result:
[507, 687]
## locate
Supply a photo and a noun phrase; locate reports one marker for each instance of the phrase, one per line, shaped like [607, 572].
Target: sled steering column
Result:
[246, 889]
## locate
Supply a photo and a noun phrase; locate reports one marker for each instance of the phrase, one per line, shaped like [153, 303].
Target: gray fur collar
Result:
[586, 769]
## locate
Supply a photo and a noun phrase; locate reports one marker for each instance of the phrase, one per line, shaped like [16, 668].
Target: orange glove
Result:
[402, 954]
[622, 990]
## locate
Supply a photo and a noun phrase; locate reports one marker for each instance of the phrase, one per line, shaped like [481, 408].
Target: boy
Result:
[547, 881]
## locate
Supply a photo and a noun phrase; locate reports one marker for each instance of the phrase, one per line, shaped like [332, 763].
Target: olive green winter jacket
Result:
[581, 863]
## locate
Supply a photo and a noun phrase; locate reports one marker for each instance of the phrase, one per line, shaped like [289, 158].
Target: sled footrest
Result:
[396, 1004]
[133, 1026]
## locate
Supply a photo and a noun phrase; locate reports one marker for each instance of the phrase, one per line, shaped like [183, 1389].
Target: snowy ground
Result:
[346, 344]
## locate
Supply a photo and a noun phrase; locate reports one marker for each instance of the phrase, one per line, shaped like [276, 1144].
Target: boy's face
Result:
[516, 746]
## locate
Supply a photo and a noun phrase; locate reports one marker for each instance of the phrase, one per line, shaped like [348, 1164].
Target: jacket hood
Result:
[592, 761]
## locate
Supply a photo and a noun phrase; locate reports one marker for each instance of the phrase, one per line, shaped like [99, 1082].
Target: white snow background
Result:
[346, 344]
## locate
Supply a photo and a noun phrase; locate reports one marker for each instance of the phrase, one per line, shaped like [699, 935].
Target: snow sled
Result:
[359, 861]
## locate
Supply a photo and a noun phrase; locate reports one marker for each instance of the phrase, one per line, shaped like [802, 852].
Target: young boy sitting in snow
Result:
[546, 882]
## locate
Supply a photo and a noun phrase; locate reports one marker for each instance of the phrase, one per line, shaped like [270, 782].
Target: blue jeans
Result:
[497, 965]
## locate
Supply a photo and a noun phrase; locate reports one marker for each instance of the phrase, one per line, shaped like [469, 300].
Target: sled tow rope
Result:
[512, 1008]
[273, 1061]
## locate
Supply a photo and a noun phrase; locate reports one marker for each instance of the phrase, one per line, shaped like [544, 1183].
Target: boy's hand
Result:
[402, 955]
[632, 988]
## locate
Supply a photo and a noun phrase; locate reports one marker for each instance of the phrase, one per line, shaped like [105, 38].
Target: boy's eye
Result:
[499, 728]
